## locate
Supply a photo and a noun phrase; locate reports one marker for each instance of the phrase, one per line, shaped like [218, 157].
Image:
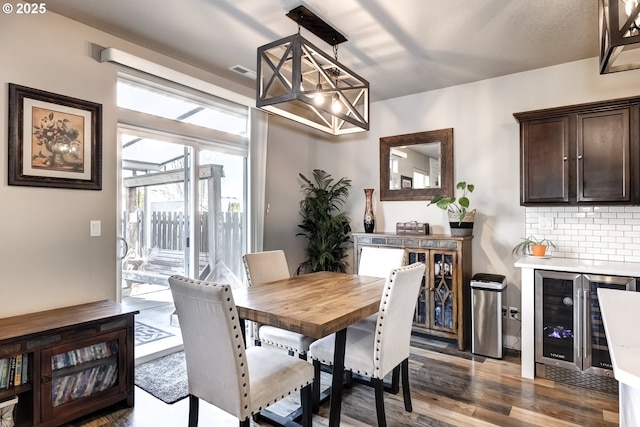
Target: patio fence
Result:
[167, 233]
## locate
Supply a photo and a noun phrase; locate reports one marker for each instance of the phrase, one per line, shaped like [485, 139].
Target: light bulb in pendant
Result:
[629, 6]
[318, 98]
[336, 107]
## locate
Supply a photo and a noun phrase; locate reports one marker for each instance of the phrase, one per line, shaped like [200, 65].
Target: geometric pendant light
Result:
[619, 35]
[297, 80]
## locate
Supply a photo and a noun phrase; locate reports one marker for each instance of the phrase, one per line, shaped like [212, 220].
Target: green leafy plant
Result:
[459, 206]
[326, 228]
[524, 247]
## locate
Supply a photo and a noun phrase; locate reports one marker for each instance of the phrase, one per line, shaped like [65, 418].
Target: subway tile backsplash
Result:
[607, 233]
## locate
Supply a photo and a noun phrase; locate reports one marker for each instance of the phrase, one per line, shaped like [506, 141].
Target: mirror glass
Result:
[416, 166]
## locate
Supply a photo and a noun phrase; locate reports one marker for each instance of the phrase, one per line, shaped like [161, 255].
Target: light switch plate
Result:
[95, 228]
[545, 223]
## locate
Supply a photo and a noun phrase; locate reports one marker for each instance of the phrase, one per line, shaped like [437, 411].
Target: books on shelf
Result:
[84, 383]
[85, 354]
[14, 371]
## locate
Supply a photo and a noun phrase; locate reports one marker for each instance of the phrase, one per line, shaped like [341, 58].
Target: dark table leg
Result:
[244, 330]
[336, 380]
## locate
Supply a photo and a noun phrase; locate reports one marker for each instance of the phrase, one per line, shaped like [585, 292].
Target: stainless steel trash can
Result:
[487, 292]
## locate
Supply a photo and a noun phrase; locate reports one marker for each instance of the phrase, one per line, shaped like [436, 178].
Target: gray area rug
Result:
[145, 334]
[165, 377]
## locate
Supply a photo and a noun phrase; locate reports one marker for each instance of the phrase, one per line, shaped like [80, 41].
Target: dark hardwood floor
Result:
[448, 388]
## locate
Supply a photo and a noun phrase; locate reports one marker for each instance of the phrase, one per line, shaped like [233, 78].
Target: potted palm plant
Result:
[461, 219]
[327, 229]
[533, 246]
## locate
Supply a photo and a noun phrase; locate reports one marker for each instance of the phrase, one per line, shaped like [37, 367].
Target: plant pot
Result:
[464, 227]
[538, 250]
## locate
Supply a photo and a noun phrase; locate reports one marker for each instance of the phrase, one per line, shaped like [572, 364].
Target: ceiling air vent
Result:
[244, 71]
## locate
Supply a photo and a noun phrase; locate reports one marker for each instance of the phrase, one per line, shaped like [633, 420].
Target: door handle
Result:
[125, 245]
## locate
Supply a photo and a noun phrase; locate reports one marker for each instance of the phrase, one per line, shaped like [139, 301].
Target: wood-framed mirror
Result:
[416, 166]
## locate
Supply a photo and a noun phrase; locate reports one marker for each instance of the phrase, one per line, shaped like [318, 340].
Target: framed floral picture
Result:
[54, 140]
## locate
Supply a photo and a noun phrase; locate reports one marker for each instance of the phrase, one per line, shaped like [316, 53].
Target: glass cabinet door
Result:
[557, 318]
[420, 314]
[443, 308]
[595, 343]
[73, 373]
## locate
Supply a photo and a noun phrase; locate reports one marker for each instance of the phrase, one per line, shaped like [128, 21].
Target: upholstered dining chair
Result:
[376, 353]
[377, 262]
[268, 266]
[220, 370]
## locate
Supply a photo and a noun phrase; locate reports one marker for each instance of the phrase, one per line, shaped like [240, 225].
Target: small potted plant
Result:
[533, 246]
[461, 219]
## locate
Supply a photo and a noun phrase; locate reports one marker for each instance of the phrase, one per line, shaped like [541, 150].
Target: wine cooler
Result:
[570, 335]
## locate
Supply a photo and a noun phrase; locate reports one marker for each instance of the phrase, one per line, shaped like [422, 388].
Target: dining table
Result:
[316, 305]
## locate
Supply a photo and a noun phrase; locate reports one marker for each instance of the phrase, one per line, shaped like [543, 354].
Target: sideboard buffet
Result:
[74, 360]
[443, 308]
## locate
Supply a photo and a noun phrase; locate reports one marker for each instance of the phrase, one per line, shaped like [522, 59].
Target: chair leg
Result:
[378, 386]
[405, 385]
[307, 405]
[290, 352]
[395, 380]
[302, 356]
[246, 422]
[193, 410]
[348, 379]
[316, 386]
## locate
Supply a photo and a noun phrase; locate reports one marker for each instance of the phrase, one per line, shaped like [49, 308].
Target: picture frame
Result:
[406, 182]
[55, 141]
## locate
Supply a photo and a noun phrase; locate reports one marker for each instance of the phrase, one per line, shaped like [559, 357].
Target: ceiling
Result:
[401, 47]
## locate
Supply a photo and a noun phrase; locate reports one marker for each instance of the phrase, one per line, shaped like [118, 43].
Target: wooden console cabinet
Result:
[443, 308]
[581, 154]
[78, 359]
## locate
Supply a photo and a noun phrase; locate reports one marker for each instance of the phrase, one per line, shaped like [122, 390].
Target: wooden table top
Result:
[316, 304]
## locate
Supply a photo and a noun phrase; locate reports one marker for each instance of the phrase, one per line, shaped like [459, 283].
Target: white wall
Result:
[47, 257]
[292, 149]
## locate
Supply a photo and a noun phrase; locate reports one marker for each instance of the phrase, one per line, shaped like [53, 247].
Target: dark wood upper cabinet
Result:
[582, 154]
[603, 157]
[544, 161]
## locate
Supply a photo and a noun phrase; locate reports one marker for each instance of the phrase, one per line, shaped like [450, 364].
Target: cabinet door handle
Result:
[580, 157]
[46, 380]
[565, 158]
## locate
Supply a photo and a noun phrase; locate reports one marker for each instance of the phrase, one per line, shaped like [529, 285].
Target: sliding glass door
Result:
[156, 217]
[183, 200]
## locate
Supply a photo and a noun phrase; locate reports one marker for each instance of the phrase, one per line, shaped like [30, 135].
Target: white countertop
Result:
[612, 268]
[621, 317]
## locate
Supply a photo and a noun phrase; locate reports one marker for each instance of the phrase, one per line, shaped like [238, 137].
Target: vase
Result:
[369, 219]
